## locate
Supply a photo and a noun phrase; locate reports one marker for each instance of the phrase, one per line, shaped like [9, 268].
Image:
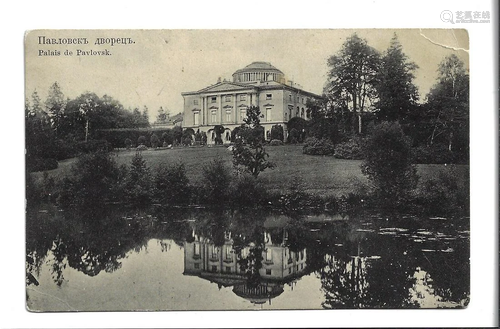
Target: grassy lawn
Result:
[320, 174]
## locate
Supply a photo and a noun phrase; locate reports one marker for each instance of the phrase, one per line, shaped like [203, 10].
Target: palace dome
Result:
[258, 71]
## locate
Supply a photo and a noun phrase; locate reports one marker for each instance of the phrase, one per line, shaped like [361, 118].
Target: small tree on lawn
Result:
[128, 143]
[248, 151]
[277, 132]
[219, 130]
[138, 186]
[141, 140]
[388, 164]
[171, 184]
[215, 181]
[154, 141]
[204, 138]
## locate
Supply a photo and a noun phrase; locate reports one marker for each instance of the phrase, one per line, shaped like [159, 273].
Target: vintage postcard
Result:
[247, 169]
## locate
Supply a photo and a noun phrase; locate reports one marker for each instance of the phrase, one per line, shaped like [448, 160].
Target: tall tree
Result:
[248, 151]
[55, 105]
[88, 104]
[397, 94]
[145, 116]
[448, 101]
[352, 77]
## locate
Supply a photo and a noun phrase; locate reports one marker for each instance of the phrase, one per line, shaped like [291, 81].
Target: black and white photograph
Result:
[263, 169]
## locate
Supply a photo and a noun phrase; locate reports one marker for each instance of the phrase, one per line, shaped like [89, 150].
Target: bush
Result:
[141, 140]
[247, 191]
[300, 126]
[94, 180]
[154, 140]
[293, 136]
[388, 165]
[215, 182]
[138, 186]
[277, 133]
[168, 137]
[141, 147]
[315, 146]
[276, 142]
[446, 195]
[437, 154]
[128, 143]
[172, 184]
[296, 198]
[351, 150]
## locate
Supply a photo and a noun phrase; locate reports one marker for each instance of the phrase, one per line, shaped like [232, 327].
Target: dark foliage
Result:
[277, 133]
[388, 164]
[351, 149]
[215, 183]
[172, 185]
[300, 126]
[94, 180]
[315, 146]
[139, 183]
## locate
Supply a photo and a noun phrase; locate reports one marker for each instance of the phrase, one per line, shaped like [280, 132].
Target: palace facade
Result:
[220, 264]
[225, 103]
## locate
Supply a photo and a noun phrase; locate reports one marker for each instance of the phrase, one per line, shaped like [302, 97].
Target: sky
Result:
[160, 64]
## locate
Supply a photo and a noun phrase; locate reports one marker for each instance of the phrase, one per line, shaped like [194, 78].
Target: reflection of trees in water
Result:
[87, 244]
[344, 283]
[357, 269]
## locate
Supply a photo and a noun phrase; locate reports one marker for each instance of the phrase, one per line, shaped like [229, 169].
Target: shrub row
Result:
[117, 137]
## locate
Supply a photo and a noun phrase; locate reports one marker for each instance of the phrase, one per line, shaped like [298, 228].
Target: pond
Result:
[198, 259]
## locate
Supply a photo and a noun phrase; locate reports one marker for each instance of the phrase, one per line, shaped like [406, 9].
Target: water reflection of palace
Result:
[222, 265]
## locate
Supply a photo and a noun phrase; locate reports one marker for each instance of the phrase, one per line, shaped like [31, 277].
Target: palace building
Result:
[225, 103]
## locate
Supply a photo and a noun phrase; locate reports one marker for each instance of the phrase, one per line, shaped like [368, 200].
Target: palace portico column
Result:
[220, 109]
[235, 115]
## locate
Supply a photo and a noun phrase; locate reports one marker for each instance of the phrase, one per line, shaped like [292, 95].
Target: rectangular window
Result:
[269, 96]
[214, 116]
[195, 102]
[228, 98]
[290, 97]
[228, 252]
[228, 116]
[214, 268]
[268, 271]
[228, 269]
[269, 255]
[214, 252]
[243, 97]
[268, 114]
[197, 266]
[213, 99]
[243, 115]
[196, 118]
[196, 249]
